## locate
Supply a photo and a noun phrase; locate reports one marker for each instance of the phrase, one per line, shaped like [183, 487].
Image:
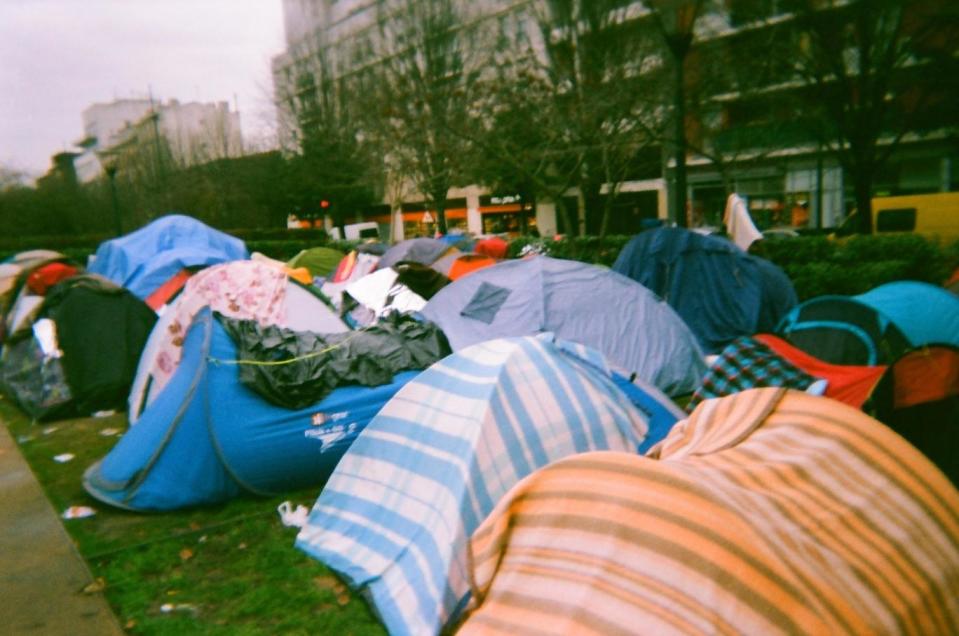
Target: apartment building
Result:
[740, 135]
[183, 134]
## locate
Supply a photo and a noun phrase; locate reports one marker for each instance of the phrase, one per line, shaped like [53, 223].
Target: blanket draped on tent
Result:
[294, 369]
[747, 363]
[244, 289]
[768, 512]
[396, 514]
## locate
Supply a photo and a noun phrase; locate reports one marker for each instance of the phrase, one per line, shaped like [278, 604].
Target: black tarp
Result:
[312, 365]
[421, 279]
[101, 329]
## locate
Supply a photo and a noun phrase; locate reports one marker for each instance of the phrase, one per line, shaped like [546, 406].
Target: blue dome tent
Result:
[145, 259]
[400, 507]
[720, 291]
[843, 330]
[578, 302]
[924, 313]
[207, 438]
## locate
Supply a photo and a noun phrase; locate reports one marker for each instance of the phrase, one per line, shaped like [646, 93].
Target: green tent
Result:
[320, 261]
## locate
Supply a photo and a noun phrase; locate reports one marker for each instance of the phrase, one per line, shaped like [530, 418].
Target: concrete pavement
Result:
[42, 576]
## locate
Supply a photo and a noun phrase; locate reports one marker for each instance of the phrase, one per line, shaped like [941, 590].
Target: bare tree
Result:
[334, 166]
[734, 111]
[421, 78]
[874, 71]
[577, 104]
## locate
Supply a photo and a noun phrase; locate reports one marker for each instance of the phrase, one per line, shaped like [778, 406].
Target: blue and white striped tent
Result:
[396, 514]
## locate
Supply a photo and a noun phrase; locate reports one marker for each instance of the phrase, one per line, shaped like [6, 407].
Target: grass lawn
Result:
[229, 569]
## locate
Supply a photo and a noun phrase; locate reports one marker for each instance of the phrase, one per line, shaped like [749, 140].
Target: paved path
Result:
[41, 573]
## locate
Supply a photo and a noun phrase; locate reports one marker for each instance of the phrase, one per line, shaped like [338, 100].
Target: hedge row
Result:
[80, 248]
[817, 265]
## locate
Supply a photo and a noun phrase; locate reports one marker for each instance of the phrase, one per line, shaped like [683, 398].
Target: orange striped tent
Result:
[767, 512]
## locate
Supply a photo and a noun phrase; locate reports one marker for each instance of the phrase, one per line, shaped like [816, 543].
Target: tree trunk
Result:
[862, 180]
[679, 108]
[441, 217]
[568, 228]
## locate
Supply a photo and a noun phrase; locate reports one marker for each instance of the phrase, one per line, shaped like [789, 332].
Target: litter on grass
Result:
[78, 512]
[293, 517]
[63, 458]
[109, 432]
[169, 608]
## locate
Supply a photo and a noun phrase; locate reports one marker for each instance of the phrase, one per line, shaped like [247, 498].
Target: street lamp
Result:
[676, 19]
[109, 163]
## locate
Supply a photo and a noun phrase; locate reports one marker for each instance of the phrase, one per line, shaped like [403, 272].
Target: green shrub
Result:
[810, 249]
[587, 249]
[817, 265]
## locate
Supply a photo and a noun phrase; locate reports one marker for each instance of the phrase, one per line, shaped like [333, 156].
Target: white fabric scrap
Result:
[739, 225]
[45, 331]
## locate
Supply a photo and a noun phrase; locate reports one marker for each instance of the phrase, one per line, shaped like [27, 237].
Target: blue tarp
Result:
[924, 313]
[396, 514]
[720, 291]
[206, 438]
[143, 260]
[582, 303]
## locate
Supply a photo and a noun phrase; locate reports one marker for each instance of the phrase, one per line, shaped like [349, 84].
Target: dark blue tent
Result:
[206, 438]
[143, 260]
[720, 291]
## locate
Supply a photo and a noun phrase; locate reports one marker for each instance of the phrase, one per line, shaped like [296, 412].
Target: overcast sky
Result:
[57, 57]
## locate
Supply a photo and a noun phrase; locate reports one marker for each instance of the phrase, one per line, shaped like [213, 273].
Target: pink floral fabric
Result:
[248, 290]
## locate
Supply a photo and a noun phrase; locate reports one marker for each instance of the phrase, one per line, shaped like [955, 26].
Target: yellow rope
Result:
[307, 356]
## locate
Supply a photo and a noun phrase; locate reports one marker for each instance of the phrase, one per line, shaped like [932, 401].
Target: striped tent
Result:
[769, 512]
[396, 514]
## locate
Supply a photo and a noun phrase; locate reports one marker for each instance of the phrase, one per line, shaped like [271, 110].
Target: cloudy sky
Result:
[57, 57]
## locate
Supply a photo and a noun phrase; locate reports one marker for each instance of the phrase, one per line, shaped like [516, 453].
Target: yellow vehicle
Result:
[933, 215]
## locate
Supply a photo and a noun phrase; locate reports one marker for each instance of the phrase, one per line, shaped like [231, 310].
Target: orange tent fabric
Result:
[766, 512]
[469, 263]
[345, 268]
[926, 375]
[849, 384]
[162, 294]
[493, 247]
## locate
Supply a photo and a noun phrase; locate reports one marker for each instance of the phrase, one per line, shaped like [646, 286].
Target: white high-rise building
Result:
[192, 132]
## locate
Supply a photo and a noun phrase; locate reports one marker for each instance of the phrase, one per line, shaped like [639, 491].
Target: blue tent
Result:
[206, 438]
[843, 330]
[924, 313]
[578, 302]
[143, 260]
[720, 291]
[399, 509]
